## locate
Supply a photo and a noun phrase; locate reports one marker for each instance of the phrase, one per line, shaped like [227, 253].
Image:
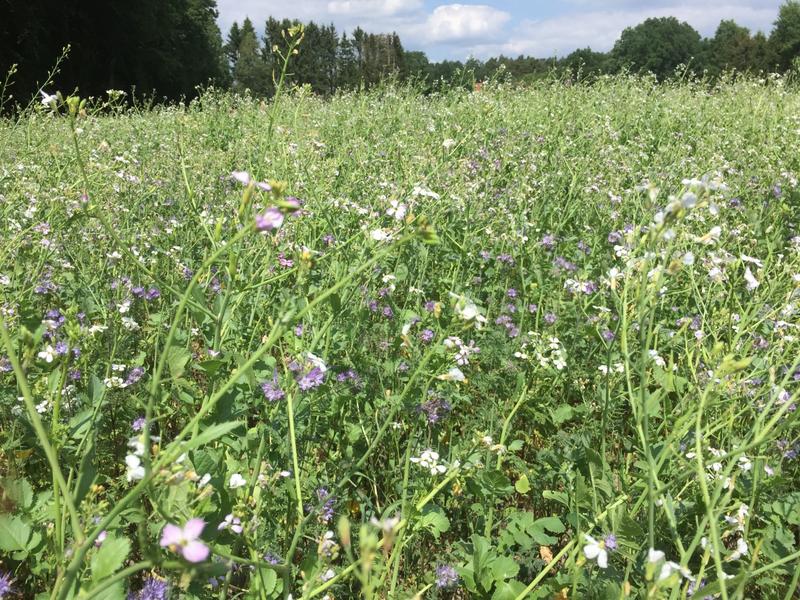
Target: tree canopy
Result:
[166, 48]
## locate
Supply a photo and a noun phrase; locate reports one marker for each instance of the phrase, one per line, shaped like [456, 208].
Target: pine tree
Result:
[251, 71]
[231, 47]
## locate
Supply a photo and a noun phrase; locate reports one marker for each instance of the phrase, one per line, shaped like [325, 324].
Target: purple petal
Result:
[195, 552]
[270, 219]
[193, 529]
[242, 177]
[171, 534]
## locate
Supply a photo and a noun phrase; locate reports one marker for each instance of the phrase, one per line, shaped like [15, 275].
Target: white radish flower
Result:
[594, 550]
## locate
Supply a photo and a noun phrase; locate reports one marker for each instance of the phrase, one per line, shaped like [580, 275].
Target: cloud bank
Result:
[459, 30]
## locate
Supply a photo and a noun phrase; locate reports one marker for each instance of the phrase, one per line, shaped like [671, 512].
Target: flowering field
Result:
[504, 345]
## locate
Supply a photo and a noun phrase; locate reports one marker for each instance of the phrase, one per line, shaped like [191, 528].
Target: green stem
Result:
[41, 433]
[295, 463]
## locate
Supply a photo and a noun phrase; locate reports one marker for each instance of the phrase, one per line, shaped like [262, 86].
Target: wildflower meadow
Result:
[534, 342]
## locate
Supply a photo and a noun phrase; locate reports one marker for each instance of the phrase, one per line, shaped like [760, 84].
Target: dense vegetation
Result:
[518, 343]
[168, 49]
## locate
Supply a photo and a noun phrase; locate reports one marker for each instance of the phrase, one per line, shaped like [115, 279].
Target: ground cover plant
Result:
[522, 343]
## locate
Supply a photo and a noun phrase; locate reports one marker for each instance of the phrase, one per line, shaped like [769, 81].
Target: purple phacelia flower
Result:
[548, 242]
[550, 318]
[446, 576]
[152, 294]
[153, 589]
[562, 263]
[426, 335]
[134, 376]
[271, 389]
[435, 409]
[6, 584]
[326, 510]
[313, 379]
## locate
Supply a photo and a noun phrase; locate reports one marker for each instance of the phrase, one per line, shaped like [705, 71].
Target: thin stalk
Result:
[41, 433]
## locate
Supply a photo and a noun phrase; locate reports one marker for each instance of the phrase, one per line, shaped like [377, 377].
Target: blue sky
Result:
[457, 30]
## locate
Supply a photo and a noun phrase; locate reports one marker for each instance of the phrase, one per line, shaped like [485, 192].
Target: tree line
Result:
[165, 49]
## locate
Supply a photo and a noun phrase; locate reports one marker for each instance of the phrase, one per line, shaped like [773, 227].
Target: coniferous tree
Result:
[231, 47]
[251, 72]
[347, 64]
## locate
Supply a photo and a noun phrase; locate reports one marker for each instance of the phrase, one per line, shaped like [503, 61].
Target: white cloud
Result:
[384, 8]
[459, 30]
[461, 22]
[599, 29]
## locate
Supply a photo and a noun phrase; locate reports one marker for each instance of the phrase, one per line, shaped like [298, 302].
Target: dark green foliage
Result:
[167, 46]
[659, 46]
[251, 71]
[785, 37]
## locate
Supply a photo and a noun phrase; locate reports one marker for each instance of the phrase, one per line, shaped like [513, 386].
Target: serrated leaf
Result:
[110, 556]
[14, 533]
[515, 446]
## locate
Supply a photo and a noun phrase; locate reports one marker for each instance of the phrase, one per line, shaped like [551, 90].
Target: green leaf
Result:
[19, 491]
[209, 434]
[86, 474]
[562, 414]
[177, 358]
[540, 526]
[515, 446]
[522, 485]
[504, 567]
[14, 533]
[508, 590]
[495, 483]
[434, 520]
[109, 557]
[115, 592]
[262, 585]
[652, 403]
